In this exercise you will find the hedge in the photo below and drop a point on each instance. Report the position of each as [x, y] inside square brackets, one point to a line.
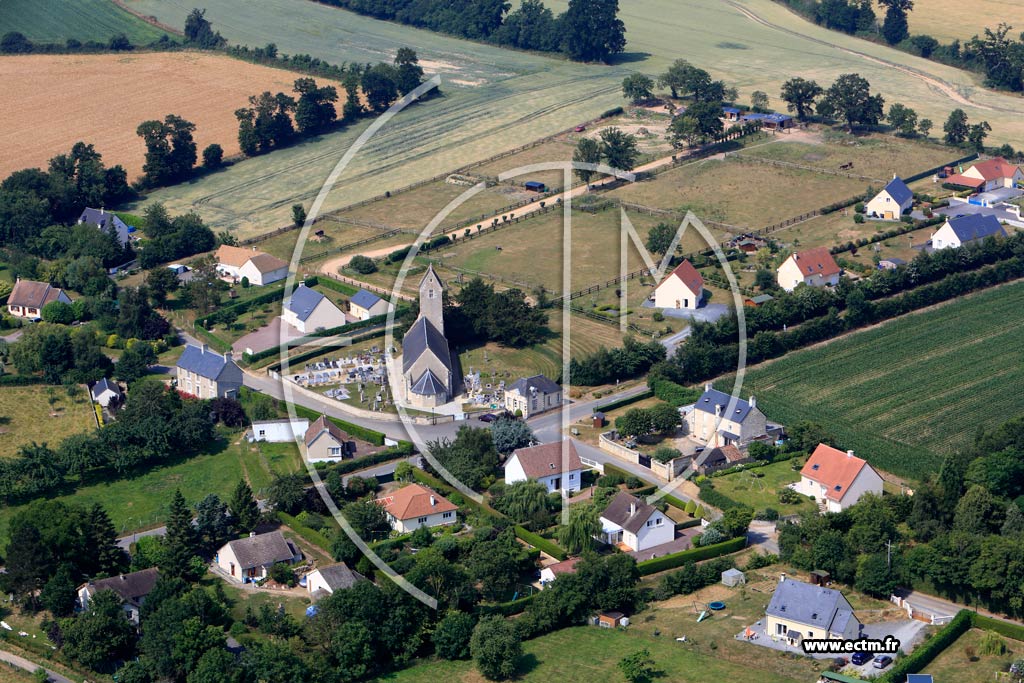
[210, 339]
[390, 543]
[612, 469]
[316, 351]
[311, 535]
[624, 402]
[687, 524]
[20, 380]
[932, 171]
[374, 437]
[675, 394]
[924, 653]
[327, 282]
[403, 450]
[435, 483]
[666, 562]
[541, 543]
[506, 609]
[719, 500]
[276, 295]
[1003, 628]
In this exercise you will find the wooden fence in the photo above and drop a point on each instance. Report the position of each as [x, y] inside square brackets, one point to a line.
[790, 164]
[350, 245]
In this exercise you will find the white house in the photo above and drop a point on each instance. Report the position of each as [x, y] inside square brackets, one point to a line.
[414, 506]
[307, 310]
[365, 305]
[249, 559]
[279, 431]
[553, 571]
[557, 469]
[323, 581]
[105, 392]
[956, 232]
[801, 610]
[529, 396]
[258, 267]
[132, 589]
[836, 479]
[325, 441]
[891, 202]
[812, 267]
[28, 297]
[683, 288]
[996, 173]
[107, 221]
[206, 374]
[717, 420]
[633, 524]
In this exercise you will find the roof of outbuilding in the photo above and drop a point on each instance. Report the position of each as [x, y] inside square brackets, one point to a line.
[618, 512]
[303, 300]
[414, 501]
[262, 549]
[421, 337]
[824, 608]
[539, 382]
[32, 294]
[203, 362]
[365, 299]
[709, 456]
[104, 384]
[546, 459]
[339, 576]
[975, 227]
[899, 191]
[129, 587]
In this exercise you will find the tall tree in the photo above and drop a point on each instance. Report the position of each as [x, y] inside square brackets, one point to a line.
[180, 540]
[956, 128]
[584, 524]
[106, 556]
[799, 95]
[619, 149]
[903, 119]
[759, 100]
[592, 30]
[100, 636]
[410, 73]
[315, 109]
[199, 31]
[496, 648]
[637, 87]
[894, 28]
[849, 99]
[588, 151]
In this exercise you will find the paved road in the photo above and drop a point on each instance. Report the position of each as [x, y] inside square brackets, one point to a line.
[31, 667]
[943, 607]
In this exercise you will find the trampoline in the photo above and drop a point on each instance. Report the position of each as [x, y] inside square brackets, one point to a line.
[717, 605]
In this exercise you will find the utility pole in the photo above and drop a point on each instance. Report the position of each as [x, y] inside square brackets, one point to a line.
[888, 554]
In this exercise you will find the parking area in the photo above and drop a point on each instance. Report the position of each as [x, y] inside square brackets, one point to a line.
[266, 337]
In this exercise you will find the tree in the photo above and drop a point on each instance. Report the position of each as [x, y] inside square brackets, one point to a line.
[496, 648]
[212, 525]
[469, 458]
[759, 100]
[215, 666]
[286, 493]
[101, 635]
[14, 43]
[58, 312]
[199, 32]
[764, 280]
[368, 518]
[660, 238]
[410, 73]
[588, 151]
[298, 215]
[592, 31]
[579, 531]
[104, 557]
[894, 28]
[635, 422]
[676, 77]
[508, 435]
[619, 149]
[403, 471]
[903, 119]
[523, 501]
[364, 265]
[956, 128]
[193, 641]
[315, 109]
[453, 634]
[243, 508]
[799, 95]
[637, 87]
[213, 156]
[180, 539]
[849, 99]
[976, 512]
[924, 126]
[497, 564]
[60, 592]
[379, 86]
[875, 577]
[976, 135]
[134, 362]
[159, 283]
[638, 667]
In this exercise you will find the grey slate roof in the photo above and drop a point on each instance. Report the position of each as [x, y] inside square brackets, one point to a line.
[203, 362]
[899, 191]
[365, 299]
[302, 301]
[129, 587]
[618, 512]
[539, 382]
[339, 576]
[421, 337]
[263, 549]
[816, 606]
[428, 385]
[712, 397]
[103, 385]
[107, 221]
[976, 227]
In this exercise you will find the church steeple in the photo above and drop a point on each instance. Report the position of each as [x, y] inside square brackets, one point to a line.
[432, 299]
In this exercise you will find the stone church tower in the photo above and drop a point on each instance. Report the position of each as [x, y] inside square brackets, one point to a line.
[432, 299]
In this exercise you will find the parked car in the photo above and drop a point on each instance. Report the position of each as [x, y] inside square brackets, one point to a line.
[580, 129]
[487, 417]
[882, 661]
[859, 658]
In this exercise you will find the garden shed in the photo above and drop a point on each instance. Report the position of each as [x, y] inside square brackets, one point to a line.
[733, 577]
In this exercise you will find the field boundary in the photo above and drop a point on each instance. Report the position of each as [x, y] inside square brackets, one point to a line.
[790, 164]
[152, 21]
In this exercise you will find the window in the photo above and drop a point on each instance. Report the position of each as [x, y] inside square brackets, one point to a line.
[263, 432]
[430, 294]
[421, 520]
[780, 629]
[572, 477]
[334, 451]
[657, 522]
[650, 522]
[447, 515]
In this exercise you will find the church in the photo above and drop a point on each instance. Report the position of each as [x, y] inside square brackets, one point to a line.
[428, 375]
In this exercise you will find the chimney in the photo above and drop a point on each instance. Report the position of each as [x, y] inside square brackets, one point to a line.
[849, 454]
[206, 347]
[708, 386]
[718, 410]
[102, 211]
[228, 355]
[632, 508]
[782, 577]
[433, 501]
[752, 401]
[252, 534]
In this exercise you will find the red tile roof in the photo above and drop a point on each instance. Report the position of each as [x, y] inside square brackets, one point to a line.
[321, 425]
[564, 567]
[966, 181]
[833, 468]
[412, 501]
[816, 261]
[546, 459]
[994, 169]
[689, 275]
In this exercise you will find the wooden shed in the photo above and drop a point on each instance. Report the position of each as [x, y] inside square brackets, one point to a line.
[599, 420]
[612, 619]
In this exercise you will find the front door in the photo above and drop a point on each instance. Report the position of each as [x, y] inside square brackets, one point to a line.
[556, 483]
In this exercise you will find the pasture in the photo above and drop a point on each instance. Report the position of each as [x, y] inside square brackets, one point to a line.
[83, 20]
[908, 392]
[43, 415]
[204, 88]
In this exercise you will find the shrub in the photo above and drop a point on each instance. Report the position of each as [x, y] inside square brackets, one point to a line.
[859, 208]
[245, 282]
[213, 156]
[665, 454]
[788, 496]
[660, 564]
[658, 316]
[858, 218]
[283, 573]
[768, 514]
[363, 265]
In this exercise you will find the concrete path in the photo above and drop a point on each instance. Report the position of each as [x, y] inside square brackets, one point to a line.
[31, 667]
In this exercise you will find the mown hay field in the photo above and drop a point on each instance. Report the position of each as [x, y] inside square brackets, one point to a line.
[102, 99]
[82, 20]
[949, 20]
[42, 415]
[906, 393]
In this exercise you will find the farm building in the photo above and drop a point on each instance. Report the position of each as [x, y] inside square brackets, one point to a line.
[548, 464]
[204, 373]
[258, 267]
[532, 396]
[633, 525]
[307, 310]
[323, 581]
[106, 392]
[132, 589]
[812, 267]
[683, 288]
[994, 173]
[717, 419]
[28, 297]
[611, 620]
[249, 559]
[415, 506]
[799, 610]
[836, 479]
[731, 113]
[733, 577]
[891, 203]
[109, 222]
[365, 305]
[428, 378]
[956, 232]
[284, 430]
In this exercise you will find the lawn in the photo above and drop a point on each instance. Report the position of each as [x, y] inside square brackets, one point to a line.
[241, 599]
[758, 488]
[908, 392]
[83, 20]
[41, 414]
[957, 663]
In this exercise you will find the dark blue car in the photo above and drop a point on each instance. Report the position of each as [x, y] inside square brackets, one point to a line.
[859, 658]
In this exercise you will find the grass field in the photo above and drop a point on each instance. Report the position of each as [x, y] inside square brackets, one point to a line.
[27, 415]
[948, 20]
[83, 20]
[762, 492]
[957, 664]
[206, 89]
[906, 393]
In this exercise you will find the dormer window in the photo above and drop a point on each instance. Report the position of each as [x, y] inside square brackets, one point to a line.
[815, 466]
